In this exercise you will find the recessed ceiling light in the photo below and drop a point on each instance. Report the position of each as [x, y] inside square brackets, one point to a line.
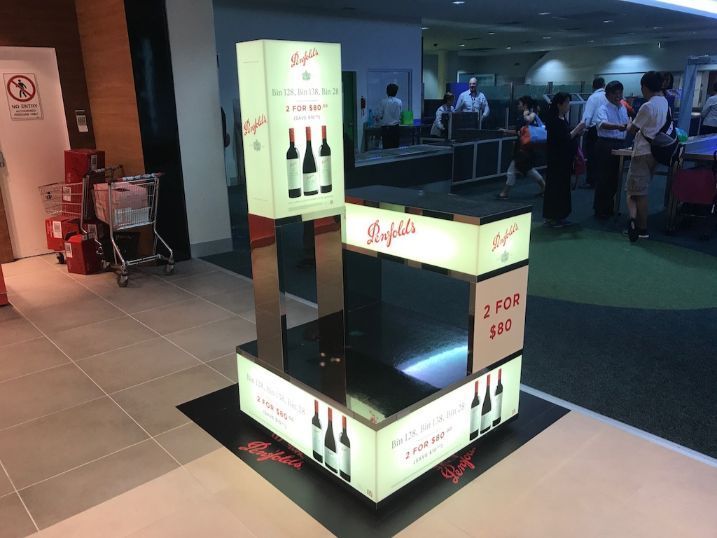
[607, 21]
[591, 41]
[657, 27]
[508, 47]
[458, 2]
[544, 13]
[491, 33]
[547, 37]
[461, 44]
[425, 28]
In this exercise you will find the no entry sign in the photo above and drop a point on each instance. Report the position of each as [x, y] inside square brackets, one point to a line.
[22, 96]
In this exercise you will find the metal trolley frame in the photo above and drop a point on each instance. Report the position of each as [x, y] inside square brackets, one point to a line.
[129, 203]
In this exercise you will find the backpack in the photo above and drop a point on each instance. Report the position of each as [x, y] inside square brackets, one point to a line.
[665, 146]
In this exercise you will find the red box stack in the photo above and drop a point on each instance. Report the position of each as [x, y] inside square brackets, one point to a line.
[78, 162]
[58, 228]
[81, 255]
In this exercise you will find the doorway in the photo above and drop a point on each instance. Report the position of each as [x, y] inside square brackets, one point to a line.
[33, 138]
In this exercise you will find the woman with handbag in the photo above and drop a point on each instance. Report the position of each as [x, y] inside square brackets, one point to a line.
[562, 147]
[523, 156]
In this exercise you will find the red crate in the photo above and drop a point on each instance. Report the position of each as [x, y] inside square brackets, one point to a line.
[78, 162]
[58, 228]
[81, 255]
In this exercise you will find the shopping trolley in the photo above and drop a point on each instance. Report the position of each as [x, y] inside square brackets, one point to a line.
[129, 203]
[74, 201]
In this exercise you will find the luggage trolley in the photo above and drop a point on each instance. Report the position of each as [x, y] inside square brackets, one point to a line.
[73, 200]
[128, 203]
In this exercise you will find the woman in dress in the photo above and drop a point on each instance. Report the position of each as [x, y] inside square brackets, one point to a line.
[562, 147]
[523, 157]
[438, 128]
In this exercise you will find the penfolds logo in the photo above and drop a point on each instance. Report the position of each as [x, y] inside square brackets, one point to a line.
[376, 235]
[297, 59]
[259, 449]
[455, 469]
[250, 127]
[499, 240]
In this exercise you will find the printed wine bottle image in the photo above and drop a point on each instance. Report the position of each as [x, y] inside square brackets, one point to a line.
[325, 162]
[330, 447]
[486, 416]
[344, 453]
[316, 433]
[309, 168]
[498, 399]
[475, 414]
[292, 168]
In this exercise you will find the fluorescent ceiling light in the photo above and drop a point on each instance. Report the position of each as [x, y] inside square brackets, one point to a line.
[425, 28]
[462, 45]
[544, 13]
[706, 8]
[458, 2]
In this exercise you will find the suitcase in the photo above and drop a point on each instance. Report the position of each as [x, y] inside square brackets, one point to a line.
[81, 255]
[57, 229]
[78, 162]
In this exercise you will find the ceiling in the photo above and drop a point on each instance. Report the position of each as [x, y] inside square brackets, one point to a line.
[488, 28]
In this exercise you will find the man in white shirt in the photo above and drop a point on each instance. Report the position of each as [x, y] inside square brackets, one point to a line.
[438, 128]
[472, 100]
[593, 104]
[389, 117]
[709, 113]
[611, 121]
[650, 119]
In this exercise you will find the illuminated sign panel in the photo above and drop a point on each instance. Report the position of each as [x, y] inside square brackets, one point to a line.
[455, 246]
[378, 462]
[291, 108]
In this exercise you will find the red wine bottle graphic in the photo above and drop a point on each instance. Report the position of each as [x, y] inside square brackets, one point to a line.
[475, 414]
[498, 399]
[293, 174]
[316, 434]
[330, 447]
[344, 453]
[486, 416]
[309, 168]
[325, 162]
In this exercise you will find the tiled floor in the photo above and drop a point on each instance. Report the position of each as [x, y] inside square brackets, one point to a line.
[91, 443]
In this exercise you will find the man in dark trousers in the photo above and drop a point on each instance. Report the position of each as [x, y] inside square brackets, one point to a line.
[594, 102]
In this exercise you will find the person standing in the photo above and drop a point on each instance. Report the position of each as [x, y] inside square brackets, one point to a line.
[472, 100]
[389, 117]
[438, 128]
[709, 113]
[612, 121]
[523, 157]
[562, 147]
[593, 104]
[650, 119]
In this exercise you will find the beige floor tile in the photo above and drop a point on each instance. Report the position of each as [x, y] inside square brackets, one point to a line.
[221, 470]
[438, 527]
[45, 296]
[207, 284]
[59, 318]
[203, 518]
[128, 366]
[154, 404]
[238, 301]
[87, 340]
[5, 485]
[14, 328]
[14, 519]
[142, 293]
[26, 265]
[56, 443]
[183, 269]
[215, 340]
[42, 393]
[188, 442]
[183, 315]
[28, 357]
[133, 510]
[77, 490]
[226, 365]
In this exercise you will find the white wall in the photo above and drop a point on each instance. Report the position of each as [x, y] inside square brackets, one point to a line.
[507, 67]
[365, 44]
[583, 63]
[431, 88]
[196, 88]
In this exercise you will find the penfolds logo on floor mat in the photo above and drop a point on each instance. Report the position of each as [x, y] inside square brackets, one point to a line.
[455, 468]
[378, 235]
[250, 127]
[500, 240]
[297, 59]
[260, 449]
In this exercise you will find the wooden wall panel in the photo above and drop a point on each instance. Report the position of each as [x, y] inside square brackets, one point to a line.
[110, 82]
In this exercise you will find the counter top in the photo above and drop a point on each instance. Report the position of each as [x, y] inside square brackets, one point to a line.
[399, 154]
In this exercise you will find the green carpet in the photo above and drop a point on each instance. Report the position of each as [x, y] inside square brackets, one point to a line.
[601, 268]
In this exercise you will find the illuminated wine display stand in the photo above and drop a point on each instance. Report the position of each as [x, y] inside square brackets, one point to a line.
[375, 393]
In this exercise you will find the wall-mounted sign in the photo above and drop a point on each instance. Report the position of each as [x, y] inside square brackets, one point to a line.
[23, 96]
[291, 108]
[379, 460]
[455, 246]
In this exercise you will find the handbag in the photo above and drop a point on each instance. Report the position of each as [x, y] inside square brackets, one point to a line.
[533, 134]
[665, 146]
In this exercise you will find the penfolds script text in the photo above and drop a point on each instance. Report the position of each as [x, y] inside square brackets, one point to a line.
[259, 449]
[299, 59]
[378, 235]
[454, 470]
[500, 240]
[250, 127]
